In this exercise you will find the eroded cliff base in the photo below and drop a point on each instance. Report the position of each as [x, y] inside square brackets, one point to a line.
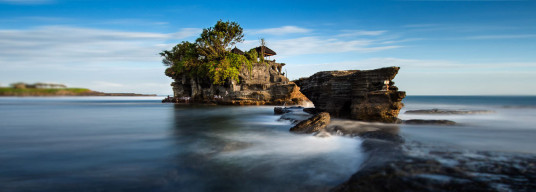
[365, 95]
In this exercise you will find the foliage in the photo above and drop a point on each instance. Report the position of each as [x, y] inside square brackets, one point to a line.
[5, 91]
[209, 57]
[215, 41]
[183, 57]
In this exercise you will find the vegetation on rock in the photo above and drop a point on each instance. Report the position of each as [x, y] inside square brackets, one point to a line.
[210, 57]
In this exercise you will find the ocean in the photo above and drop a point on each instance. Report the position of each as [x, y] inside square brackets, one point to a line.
[141, 144]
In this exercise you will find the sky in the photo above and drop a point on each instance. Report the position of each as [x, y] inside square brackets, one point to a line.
[444, 47]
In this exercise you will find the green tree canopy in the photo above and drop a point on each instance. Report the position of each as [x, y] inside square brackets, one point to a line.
[215, 41]
[209, 56]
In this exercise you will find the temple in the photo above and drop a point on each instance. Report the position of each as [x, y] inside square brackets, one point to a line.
[263, 84]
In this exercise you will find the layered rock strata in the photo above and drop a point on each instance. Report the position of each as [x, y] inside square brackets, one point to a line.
[263, 84]
[366, 95]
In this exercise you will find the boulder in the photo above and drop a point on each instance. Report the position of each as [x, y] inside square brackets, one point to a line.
[313, 124]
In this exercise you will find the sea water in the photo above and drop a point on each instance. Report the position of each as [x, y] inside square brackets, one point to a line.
[510, 125]
[141, 144]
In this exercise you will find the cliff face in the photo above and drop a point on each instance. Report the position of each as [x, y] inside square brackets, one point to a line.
[264, 84]
[361, 95]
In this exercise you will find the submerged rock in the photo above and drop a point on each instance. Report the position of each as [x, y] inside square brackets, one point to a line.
[313, 111]
[428, 122]
[283, 110]
[394, 165]
[313, 124]
[361, 95]
[356, 128]
[448, 112]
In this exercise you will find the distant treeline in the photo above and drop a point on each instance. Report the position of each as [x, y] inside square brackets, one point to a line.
[21, 85]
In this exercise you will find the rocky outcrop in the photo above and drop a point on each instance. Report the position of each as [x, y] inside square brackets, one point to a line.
[313, 124]
[361, 95]
[263, 84]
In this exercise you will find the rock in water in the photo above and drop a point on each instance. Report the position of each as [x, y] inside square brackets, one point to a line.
[279, 110]
[313, 124]
[361, 95]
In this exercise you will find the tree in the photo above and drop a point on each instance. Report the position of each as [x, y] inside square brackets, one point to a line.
[209, 57]
[184, 57]
[215, 41]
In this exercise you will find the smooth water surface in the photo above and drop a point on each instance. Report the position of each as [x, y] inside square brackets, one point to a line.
[140, 144]
[510, 127]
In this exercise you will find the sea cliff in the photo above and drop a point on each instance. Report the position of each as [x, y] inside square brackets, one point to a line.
[367, 95]
[263, 84]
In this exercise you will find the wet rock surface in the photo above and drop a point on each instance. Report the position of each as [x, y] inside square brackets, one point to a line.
[394, 163]
[368, 95]
[448, 112]
[314, 124]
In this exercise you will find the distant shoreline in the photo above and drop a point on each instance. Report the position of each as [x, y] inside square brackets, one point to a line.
[54, 92]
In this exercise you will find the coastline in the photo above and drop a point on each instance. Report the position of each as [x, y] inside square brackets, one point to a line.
[37, 92]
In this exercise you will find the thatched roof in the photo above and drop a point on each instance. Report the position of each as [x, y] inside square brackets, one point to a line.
[237, 51]
[267, 51]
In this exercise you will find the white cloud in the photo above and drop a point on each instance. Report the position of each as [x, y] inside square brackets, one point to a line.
[349, 33]
[285, 30]
[61, 44]
[103, 60]
[321, 45]
[106, 84]
[519, 36]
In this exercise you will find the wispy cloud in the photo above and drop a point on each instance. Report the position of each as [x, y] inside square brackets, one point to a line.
[518, 36]
[285, 30]
[63, 44]
[27, 2]
[349, 33]
[348, 41]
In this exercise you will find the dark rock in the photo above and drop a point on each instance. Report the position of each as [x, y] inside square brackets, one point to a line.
[262, 85]
[359, 95]
[393, 166]
[429, 122]
[447, 112]
[295, 117]
[278, 110]
[313, 124]
[411, 174]
[312, 111]
[282, 110]
[382, 135]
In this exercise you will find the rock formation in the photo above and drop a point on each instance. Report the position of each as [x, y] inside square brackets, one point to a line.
[361, 95]
[264, 84]
[313, 124]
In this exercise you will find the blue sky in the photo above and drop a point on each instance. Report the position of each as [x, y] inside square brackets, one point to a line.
[443, 47]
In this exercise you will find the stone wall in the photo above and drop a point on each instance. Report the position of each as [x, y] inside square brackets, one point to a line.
[262, 85]
[360, 95]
